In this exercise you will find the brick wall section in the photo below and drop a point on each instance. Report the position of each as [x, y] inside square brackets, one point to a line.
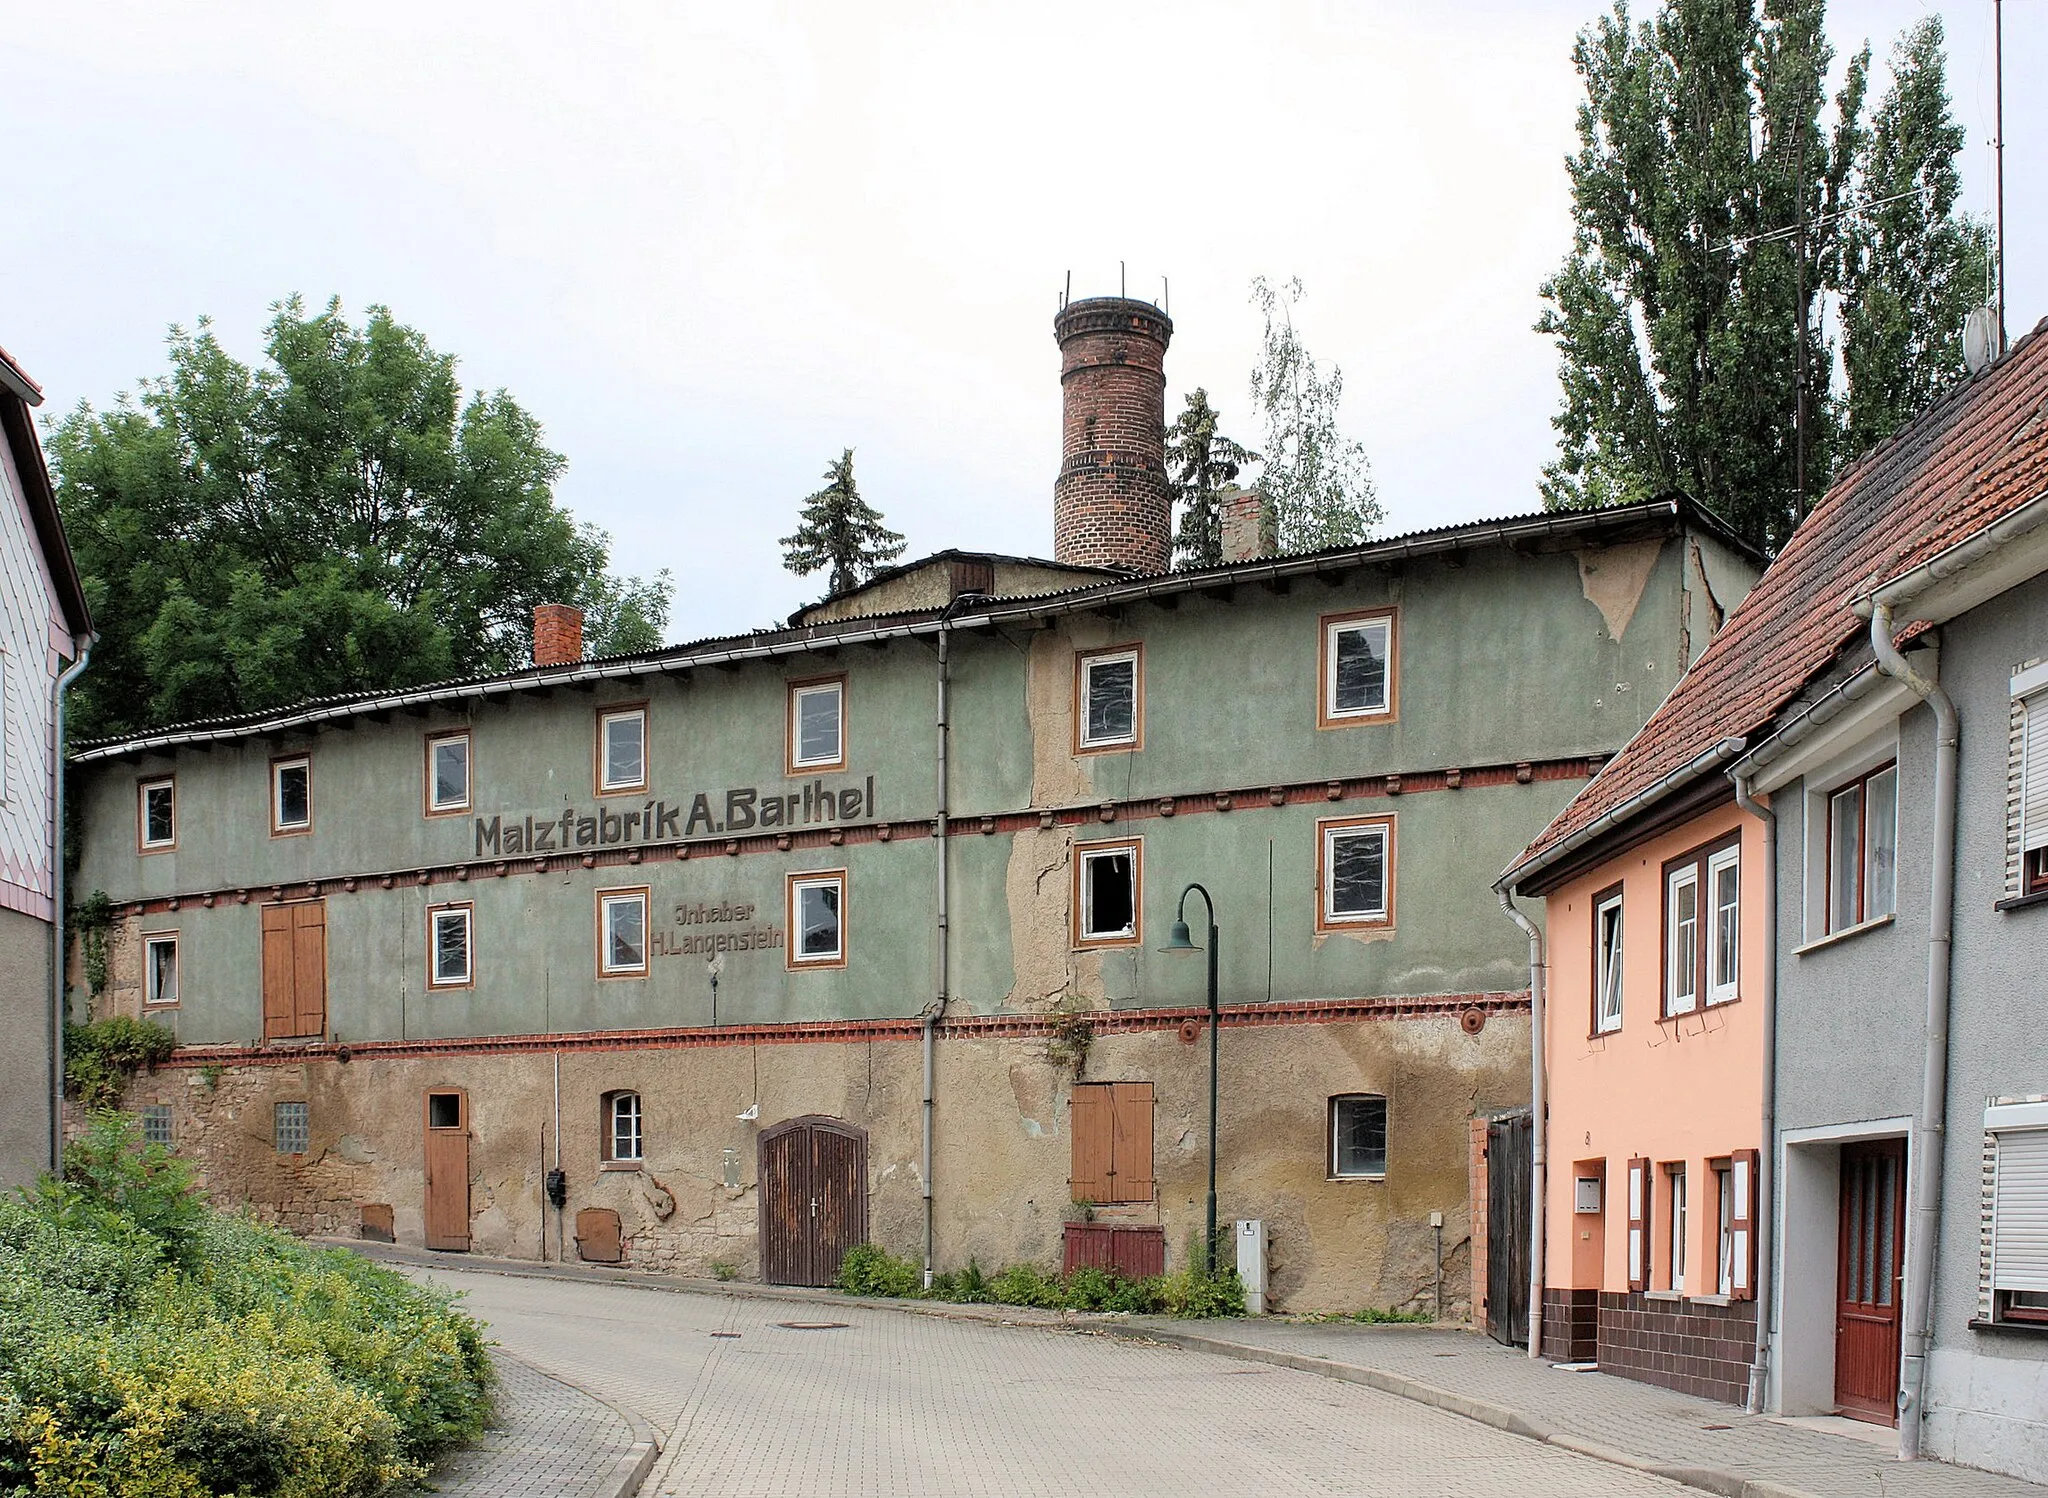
[1247, 524]
[1688, 1345]
[1571, 1325]
[557, 634]
[1476, 1172]
[1110, 505]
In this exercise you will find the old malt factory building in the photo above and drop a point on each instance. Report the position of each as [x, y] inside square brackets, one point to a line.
[730, 955]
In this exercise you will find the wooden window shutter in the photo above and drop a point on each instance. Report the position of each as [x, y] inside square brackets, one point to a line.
[1638, 1218]
[309, 967]
[1130, 1116]
[1091, 1176]
[278, 1007]
[1742, 1183]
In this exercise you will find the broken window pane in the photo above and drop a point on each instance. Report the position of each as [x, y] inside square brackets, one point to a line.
[1359, 676]
[1358, 874]
[1110, 709]
[1108, 898]
[1358, 1136]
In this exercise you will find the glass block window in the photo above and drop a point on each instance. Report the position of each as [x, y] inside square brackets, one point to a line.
[156, 1125]
[293, 1128]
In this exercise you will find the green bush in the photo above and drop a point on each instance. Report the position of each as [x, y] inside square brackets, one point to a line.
[151, 1347]
[99, 1058]
[869, 1269]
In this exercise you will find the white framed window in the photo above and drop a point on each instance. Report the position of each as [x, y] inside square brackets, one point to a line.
[2030, 691]
[625, 1141]
[156, 814]
[1724, 924]
[1354, 872]
[816, 729]
[292, 1128]
[157, 1127]
[1674, 1256]
[1108, 880]
[291, 795]
[447, 772]
[817, 918]
[2017, 1224]
[450, 929]
[1607, 961]
[160, 968]
[1109, 699]
[1358, 1137]
[1724, 1227]
[1357, 668]
[1682, 940]
[1863, 849]
[622, 749]
[622, 933]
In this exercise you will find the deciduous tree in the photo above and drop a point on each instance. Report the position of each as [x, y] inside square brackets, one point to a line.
[1316, 478]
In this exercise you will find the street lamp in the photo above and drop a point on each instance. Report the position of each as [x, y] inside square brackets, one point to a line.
[1179, 940]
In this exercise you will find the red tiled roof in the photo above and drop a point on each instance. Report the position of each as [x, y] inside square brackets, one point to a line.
[1975, 455]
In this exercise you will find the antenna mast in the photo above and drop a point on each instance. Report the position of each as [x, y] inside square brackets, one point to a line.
[1998, 163]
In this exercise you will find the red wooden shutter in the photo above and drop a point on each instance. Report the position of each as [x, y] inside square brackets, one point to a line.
[1130, 1140]
[278, 1008]
[1091, 1177]
[1742, 1184]
[1638, 1221]
[309, 968]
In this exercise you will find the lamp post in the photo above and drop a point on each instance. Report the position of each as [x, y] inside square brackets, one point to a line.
[1179, 940]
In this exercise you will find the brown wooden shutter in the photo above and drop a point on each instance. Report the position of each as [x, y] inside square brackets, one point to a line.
[278, 1007]
[1092, 1176]
[1130, 1147]
[1742, 1183]
[1638, 1223]
[309, 967]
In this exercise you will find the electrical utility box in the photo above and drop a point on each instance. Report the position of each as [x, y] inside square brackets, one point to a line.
[1251, 1263]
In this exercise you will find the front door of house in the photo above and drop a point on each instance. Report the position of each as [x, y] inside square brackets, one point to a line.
[814, 1199]
[447, 1155]
[1869, 1279]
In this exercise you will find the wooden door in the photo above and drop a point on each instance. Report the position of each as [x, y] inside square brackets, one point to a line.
[1510, 1144]
[447, 1155]
[1869, 1280]
[814, 1199]
[295, 970]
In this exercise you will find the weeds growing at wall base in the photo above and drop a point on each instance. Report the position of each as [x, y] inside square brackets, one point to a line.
[869, 1269]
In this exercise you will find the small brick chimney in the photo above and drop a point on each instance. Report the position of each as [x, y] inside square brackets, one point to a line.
[557, 634]
[1248, 526]
[1110, 505]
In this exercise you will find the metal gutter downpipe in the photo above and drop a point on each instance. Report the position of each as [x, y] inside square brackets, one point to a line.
[1538, 1124]
[1766, 1174]
[1930, 1125]
[57, 943]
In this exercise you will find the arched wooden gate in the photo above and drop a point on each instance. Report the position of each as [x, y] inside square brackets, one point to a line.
[813, 1197]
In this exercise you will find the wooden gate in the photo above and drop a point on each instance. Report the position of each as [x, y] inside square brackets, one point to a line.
[1869, 1279]
[814, 1198]
[1509, 1144]
[447, 1153]
[295, 970]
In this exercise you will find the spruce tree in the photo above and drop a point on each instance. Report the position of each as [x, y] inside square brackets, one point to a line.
[1912, 267]
[840, 530]
[1200, 461]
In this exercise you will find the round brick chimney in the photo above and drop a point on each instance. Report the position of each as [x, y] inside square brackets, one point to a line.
[1109, 505]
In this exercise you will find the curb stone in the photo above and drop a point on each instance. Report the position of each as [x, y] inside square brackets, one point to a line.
[1501, 1417]
[633, 1465]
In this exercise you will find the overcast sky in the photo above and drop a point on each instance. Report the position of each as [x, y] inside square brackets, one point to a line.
[708, 246]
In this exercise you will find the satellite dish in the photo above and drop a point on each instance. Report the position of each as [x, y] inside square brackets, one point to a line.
[1980, 338]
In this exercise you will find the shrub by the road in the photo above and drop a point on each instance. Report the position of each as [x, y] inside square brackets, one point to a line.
[153, 1348]
[869, 1269]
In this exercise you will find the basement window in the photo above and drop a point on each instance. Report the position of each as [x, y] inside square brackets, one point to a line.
[157, 815]
[160, 969]
[817, 919]
[156, 1125]
[1107, 712]
[1357, 667]
[291, 796]
[1358, 1137]
[622, 933]
[292, 1128]
[817, 725]
[1106, 880]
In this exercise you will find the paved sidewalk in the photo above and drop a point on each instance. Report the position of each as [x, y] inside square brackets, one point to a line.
[549, 1438]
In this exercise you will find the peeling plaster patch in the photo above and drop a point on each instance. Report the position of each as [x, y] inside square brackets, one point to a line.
[1613, 579]
[1058, 778]
[352, 1149]
[1365, 936]
[1044, 968]
[1035, 1088]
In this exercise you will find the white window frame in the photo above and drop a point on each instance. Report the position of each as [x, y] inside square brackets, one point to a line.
[835, 880]
[152, 994]
[1330, 832]
[606, 785]
[1679, 1001]
[143, 840]
[435, 744]
[1723, 988]
[835, 688]
[1335, 1163]
[279, 827]
[609, 900]
[1381, 625]
[2030, 691]
[1609, 962]
[2019, 1141]
[616, 1112]
[1674, 1262]
[1088, 666]
[1724, 1226]
[1086, 856]
[464, 915]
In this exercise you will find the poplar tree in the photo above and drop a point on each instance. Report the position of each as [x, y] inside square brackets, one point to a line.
[1912, 267]
[1200, 462]
[840, 530]
[1316, 478]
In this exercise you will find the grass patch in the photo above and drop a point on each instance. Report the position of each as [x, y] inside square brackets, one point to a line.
[869, 1269]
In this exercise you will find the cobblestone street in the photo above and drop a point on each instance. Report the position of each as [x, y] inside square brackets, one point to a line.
[754, 1397]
